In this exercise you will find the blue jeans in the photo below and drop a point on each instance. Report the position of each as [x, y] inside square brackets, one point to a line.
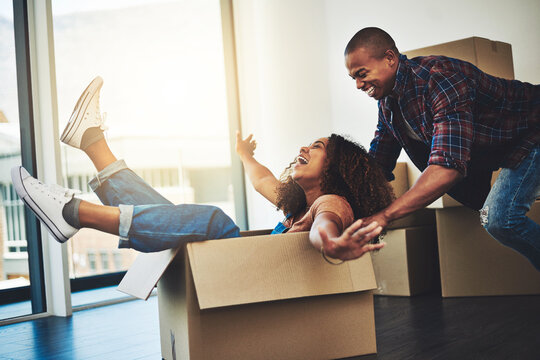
[148, 221]
[503, 214]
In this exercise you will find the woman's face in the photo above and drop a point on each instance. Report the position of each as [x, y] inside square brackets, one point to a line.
[310, 163]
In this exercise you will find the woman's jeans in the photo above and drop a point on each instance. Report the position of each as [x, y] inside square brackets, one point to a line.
[148, 221]
[503, 214]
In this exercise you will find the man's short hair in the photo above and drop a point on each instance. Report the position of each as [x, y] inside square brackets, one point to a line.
[376, 40]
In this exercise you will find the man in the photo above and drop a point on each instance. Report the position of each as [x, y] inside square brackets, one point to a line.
[458, 125]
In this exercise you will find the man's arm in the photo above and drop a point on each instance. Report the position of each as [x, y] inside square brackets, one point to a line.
[451, 100]
[434, 182]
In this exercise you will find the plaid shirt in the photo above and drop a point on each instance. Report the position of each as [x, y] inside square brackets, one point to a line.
[459, 113]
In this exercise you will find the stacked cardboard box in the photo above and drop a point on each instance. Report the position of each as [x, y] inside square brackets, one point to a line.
[472, 263]
[408, 265]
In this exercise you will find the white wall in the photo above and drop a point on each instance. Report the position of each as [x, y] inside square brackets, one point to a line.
[293, 82]
[285, 99]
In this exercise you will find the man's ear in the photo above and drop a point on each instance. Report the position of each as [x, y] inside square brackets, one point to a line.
[391, 57]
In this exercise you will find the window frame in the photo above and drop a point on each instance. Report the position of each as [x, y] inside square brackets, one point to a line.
[23, 24]
[28, 154]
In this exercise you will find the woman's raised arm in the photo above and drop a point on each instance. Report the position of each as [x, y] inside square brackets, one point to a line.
[261, 178]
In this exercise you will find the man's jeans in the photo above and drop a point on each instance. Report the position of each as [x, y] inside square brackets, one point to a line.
[503, 214]
[148, 221]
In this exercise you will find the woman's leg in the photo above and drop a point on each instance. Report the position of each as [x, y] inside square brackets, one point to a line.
[149, 228]
[115, 183]
[84, 131]
[155, 224]
[100, 154]
[99, 217]
[145, 227]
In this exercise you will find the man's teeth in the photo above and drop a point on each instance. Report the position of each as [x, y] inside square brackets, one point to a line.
[370, 91]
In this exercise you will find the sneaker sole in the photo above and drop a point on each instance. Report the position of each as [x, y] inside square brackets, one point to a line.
[77, 115]
[18, 183]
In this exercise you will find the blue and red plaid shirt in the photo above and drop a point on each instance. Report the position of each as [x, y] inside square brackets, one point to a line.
[459, 114]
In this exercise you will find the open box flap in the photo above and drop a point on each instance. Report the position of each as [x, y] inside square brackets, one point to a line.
[272, 267]
[145, 272]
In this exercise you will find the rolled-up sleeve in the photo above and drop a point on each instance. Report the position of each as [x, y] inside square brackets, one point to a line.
[453, 131]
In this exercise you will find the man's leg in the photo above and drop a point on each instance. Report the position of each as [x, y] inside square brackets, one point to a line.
[503, 214]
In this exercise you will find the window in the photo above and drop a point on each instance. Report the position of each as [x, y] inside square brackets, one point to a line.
[117, 258]
[164, 95]
[104, 261]
[91, 261]
[12, 222]
[21, 273]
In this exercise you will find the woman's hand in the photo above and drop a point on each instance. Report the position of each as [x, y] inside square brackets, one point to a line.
[353, 243]
[260, 177]
[246, 147]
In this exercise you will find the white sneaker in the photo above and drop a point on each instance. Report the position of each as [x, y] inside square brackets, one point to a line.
[45, 201]
[85, 115]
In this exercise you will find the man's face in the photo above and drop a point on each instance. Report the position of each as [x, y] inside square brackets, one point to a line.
[374, 76]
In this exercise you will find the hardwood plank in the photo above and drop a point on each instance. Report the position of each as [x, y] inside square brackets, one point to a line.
[423, 327]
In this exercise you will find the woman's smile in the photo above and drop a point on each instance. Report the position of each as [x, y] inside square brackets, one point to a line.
[309, 165]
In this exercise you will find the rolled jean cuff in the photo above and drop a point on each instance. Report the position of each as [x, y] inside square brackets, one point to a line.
[106, 173]
[126, 217]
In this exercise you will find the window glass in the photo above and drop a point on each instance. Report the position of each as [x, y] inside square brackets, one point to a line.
[164, 95]
[13, 242]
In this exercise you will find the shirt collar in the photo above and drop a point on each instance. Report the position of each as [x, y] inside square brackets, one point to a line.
[401, 77]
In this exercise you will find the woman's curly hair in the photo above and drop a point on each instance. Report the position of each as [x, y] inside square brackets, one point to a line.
[349, 172]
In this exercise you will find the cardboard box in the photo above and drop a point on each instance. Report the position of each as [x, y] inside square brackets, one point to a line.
[472, 263]
[492, 57]
[400, 185]
[258, 297]
[408, 264]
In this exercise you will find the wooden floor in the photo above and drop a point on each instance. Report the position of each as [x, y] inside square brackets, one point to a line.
[423, 327]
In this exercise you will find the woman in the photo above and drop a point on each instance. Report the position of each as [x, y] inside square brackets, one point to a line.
[331, 182]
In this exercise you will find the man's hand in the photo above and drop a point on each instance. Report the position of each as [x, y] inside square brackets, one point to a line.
[246, 147]
[434, 181]
[353, 243]
[379, 217]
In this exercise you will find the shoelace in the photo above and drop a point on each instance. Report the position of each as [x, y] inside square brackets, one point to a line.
[101, 117]
[102, 125]
[56, 190]
[62, 191]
